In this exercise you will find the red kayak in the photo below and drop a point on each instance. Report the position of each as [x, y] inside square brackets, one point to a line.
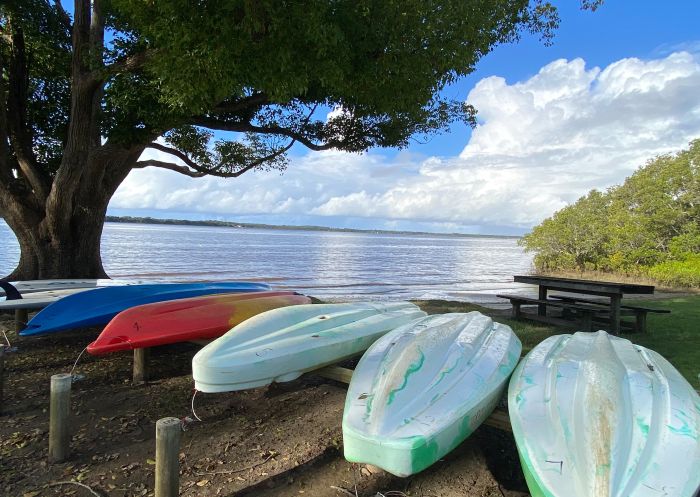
[183, 320]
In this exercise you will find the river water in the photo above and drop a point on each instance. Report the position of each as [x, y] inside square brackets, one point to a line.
[327, 265]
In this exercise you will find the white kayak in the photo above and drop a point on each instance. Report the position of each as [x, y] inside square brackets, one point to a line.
[423, 388]
[594, 415]
[31, 286]
[37, 300]
[281, 344]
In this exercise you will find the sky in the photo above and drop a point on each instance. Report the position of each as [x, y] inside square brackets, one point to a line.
[617, 88]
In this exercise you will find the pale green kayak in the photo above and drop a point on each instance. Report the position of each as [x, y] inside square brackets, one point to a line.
[419, 391]
[594, 415]
[281, 344]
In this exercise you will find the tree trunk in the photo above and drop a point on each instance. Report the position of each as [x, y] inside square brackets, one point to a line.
[71, 250]
[66, 245]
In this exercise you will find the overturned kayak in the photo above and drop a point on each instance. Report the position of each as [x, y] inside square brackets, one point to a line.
[281, 344]
[594, 415]
[196, 318]
[36, 300]
[423, 388]
[99, 305]
[31, 286]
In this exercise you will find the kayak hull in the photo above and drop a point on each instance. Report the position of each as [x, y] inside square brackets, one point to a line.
[595, 415]
[32, 286]
[37, 300]
[196, 318]
[98, 306]
[423, 388]
[281, 344]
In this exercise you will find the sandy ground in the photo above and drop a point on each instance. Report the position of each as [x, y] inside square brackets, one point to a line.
[281, 440]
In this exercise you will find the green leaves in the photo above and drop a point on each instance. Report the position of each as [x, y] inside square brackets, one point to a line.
[649, 224]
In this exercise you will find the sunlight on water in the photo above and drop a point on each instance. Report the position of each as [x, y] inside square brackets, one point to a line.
[324, 264]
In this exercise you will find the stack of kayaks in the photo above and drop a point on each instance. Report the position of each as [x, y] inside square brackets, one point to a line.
[423, 388]
[597, 416]
[281, 344]
[98, 306]
[191, 319]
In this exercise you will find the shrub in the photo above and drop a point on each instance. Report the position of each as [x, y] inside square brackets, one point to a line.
[678, 273]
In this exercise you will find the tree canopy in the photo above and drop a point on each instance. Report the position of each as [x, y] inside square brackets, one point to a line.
[649, 225]
[84, 93]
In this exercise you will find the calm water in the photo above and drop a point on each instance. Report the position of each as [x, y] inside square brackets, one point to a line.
[323, 264]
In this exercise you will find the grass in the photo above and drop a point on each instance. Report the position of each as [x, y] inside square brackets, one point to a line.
[675, 336]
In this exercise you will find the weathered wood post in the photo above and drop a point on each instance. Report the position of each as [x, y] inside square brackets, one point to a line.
[167, 452]
[140, 371]
[21, 318]
[59, 417]
[2, 376]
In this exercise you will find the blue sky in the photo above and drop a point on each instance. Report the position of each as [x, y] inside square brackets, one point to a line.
[617, 87]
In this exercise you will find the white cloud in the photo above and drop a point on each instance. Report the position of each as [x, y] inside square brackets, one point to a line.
[540, 144]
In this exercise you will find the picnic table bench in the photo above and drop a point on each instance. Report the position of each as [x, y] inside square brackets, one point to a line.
[584, 311]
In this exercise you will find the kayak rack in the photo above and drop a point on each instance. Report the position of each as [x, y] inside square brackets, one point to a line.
[498, 419]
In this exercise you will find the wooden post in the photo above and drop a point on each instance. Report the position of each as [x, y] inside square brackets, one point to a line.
[615, 301]
[59, 417]
[140, 372]
[167, 452]
[2, 375]
[542, 295]
[21, 318]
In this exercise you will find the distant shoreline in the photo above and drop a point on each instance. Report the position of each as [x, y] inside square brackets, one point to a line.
[232, 224]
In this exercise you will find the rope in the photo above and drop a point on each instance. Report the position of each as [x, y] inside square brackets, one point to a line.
[75, 483]
[9, 345]
[194, 413]
[76, 363]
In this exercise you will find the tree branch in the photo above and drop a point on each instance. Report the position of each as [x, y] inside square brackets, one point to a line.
[126, 64]
[246, 127]
[213, 171]
[169, 165]
[20, 133]
[63, 15]
[245, 103]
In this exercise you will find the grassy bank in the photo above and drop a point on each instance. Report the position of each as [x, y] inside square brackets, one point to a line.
[675, 336]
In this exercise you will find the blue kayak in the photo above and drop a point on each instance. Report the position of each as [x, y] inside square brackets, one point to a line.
[99, 306]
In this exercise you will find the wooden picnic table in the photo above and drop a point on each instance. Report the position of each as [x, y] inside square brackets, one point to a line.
[614, 291]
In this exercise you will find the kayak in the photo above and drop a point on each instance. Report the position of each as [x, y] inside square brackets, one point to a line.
[423, 388]
[99, 305]
[282, 344]
[36, 300]
[182, 320]
[31, 286]
[596, 415]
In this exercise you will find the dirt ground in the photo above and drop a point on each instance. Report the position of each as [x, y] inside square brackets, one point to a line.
[281, 440]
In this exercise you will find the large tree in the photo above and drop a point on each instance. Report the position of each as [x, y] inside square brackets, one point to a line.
[84, 93]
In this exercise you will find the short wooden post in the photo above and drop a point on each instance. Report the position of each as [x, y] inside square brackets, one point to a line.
[21, 318]
[640, 321]
[615, 301]
[140, 372]
[2, 376]
[542, 295]
[516, 309]
[59, 417]
[167, 452]
[587, 320]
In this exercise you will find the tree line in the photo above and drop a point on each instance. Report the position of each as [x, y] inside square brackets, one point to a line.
[648, 226]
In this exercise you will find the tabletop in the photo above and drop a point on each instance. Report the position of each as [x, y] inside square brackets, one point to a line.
[584, 286]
